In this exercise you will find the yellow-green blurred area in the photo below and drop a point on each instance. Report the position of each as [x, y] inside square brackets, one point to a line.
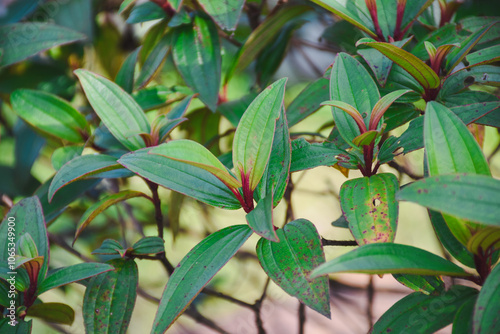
[357, 300]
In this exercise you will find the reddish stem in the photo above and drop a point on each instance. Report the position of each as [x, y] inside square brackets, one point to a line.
[399, 20]
[372, 7]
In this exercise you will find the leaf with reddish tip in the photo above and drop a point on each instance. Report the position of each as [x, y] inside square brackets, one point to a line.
[290, 261]
[365, 138]
[369, 205]
[110, 298]
[389, 258]
[350, 110]
[81, 167]
[195, 270]
[468, 196]
[260, 219]
[192, 153]
[382, 105]
[253, 139]
[414, 66]
[95, 209]
[351, 83]
[484, 56]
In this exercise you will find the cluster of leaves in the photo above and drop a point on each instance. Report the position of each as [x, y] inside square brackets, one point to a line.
[416, 69]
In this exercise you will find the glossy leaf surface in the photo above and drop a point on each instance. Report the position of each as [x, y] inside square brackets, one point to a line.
[225, 12]
[52, 312]
[306, 155]
[195, 270]
[289, 262]
[260, 219]
[486, 312]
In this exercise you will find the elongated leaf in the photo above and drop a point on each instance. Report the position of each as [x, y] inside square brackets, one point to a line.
[110, 247]
[79, 168]
[462, 323]
[64, 154]
[253, 139]
[234, 109]
[26, 217]
[153, 62]
[484, 56]
[110, 298]
[306, 155]
[192, 153]
[450, 147]
[461, 79]
[117, 110]
[389, 258]
[22, 327]
[181, 177]
[486, 240]
[260, 219]
[196, 53]
[225, 12]
[50, 114]
[95, 209]
[365, 138]
[468, 196]
[195, 271]
[149, 245]
[125, 77]
[52, 312]
[72, 274]
[265, 33]
[382, 105]
[308, 101]
[370, 207]
[351, 83]
[414, 66]
[423, 313]
[289, 262]
[21, 40]
[486, 312]
[449, 241]
[456, 56]
[278, 168]
[354, 12]
[144, 12]
[350, 110]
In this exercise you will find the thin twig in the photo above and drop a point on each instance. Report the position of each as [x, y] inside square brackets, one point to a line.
[193, 313]
[221, 295]
[57, 240]
[369, 307]
[157, 203]
[403, 170]
[344, 243]
[257, 307]
[302, 318]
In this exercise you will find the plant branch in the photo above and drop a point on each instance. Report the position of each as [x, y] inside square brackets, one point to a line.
[221, 295]
[403, 170]
[157, 203]
[342, 243]
[302, 318]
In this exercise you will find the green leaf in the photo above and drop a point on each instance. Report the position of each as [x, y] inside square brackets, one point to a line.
[389, 258]
[265, 33]
[81, 167]
[149, 245]
[351, 83]
[308, 101]
[289, 262]
[381, 107]
[50, 114]
[484, 56]
[197, 55]
[64, 154]
[456, 56]
[365, 138]
[22, 281]
[26, 216]
[110, 298]
[306, 155]
[486, 312]
[21, 40]
[413, 10]
[461, 79]
[117, 110]
[450, 146]
[473, 24]
[152, 64]
[195, 270]
[486, 240]
[154, 97]
[424, 284]
[260, 219]
[449, 241]
[71, 274]
[125, 76]
[145, 12]
[197, 155]
[370, 207]
[414, 66]
[176, 4]
[226, 12]
[468, 196]
[181, 177]
[95, 209]
[234, 109]
[446, 34]
[26, 246]
[278, 168]
[462, 323]
[23, 327]
[423, 313]
[253, 139]
[109, 247]
[52, 312]
[354, 12]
